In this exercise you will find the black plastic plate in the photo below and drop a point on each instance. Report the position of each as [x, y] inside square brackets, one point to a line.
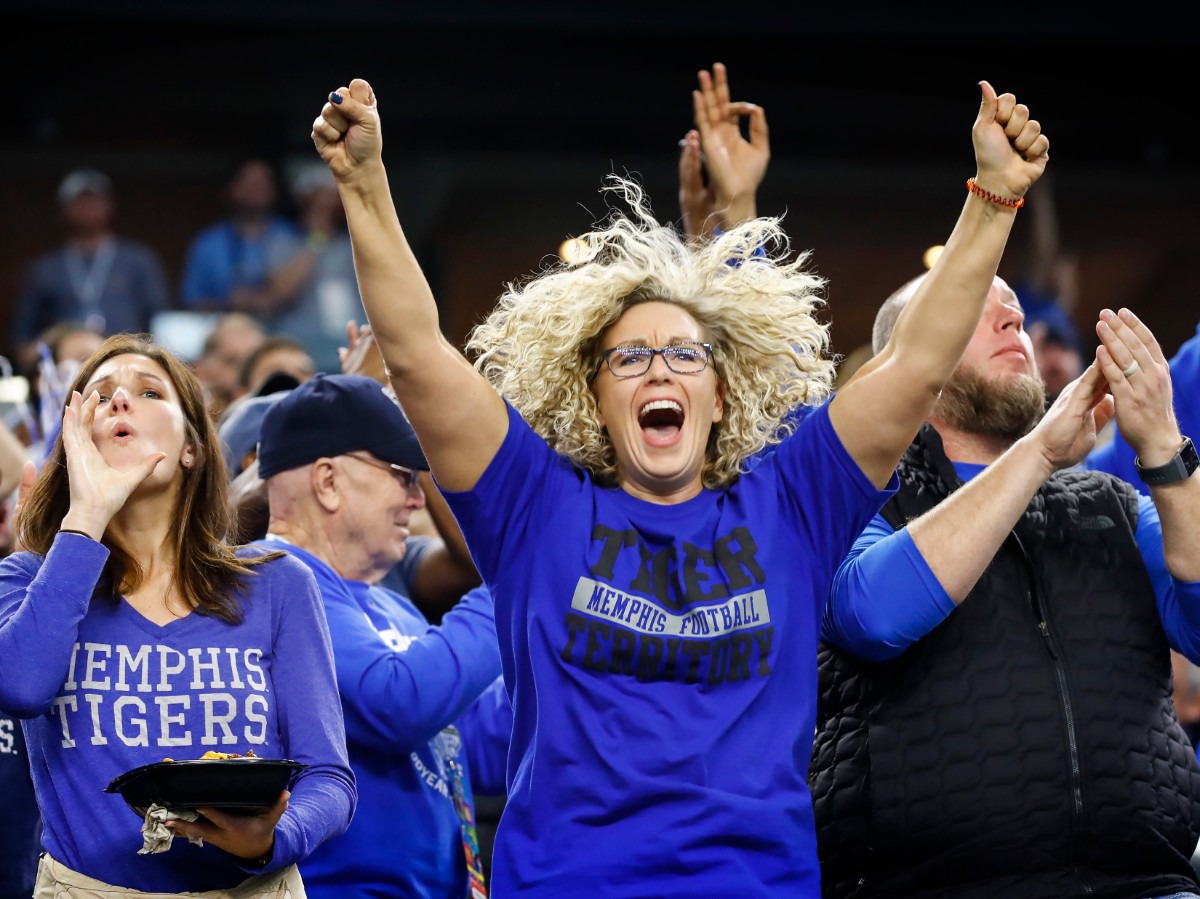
[233, 784]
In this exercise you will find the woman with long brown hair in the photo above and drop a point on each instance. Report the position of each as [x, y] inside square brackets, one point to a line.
[131, 630]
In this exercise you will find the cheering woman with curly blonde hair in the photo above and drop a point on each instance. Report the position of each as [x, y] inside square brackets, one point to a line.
[658, 597]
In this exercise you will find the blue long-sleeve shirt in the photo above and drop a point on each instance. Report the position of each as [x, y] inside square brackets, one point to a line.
[104, 690]
[885, 596]
[403, 683]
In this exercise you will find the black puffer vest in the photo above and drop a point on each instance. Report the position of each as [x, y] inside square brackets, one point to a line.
[1026, 747]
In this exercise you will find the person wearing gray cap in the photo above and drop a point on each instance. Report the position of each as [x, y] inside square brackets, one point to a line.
[427, 717]
[113, 284]
[312, 273]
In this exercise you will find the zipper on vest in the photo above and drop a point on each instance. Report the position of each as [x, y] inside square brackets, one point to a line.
[1042, 626]
[1064, 696]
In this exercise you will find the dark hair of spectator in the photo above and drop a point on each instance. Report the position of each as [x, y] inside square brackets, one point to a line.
[209, 573]
[270, 345]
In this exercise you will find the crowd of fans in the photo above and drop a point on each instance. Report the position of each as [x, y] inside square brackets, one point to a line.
[698, 611]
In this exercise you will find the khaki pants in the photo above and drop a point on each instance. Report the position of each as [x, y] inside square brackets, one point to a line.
[56, 881]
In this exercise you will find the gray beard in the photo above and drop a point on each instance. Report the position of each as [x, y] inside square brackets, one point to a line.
[990, 407]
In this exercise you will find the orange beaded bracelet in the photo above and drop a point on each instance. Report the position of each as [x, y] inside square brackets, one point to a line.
[993, 198]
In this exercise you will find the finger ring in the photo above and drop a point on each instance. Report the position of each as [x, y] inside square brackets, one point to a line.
[1133, 366]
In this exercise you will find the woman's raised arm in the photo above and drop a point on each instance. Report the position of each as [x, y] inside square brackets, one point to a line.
[460, 420]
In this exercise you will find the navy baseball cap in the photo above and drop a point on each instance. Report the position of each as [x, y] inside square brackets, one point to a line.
[332, 415]
[239, 428]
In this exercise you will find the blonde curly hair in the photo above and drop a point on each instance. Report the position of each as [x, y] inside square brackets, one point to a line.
[540, 347]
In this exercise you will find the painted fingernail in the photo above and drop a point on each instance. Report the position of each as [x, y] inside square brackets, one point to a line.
[335, 98]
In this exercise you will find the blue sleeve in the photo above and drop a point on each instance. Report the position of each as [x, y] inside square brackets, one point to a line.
[400, 576]
[1178, 601]
[758, 252]
[310, 717]
[1116, 458]
[205, 274]
[398, 700]
[42, 602]
[826, 492]
[885, 597]
[487, 731]
[520, 488]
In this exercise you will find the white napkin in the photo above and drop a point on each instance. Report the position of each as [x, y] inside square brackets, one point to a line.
[155, 835]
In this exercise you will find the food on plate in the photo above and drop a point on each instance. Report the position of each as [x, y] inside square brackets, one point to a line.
[224, 755]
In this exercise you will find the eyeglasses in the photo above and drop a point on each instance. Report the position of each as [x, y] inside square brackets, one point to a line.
[406, 476]
[634, 360]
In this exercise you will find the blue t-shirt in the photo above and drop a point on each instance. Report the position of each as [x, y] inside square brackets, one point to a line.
[20, 824]
[403, 685]
[219, 259]
[1116, 456]
[661, 661]
[886, 597]
[104, 690]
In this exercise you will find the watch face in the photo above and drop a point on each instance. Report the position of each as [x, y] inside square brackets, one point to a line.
[1189, 456]
[1178, 469]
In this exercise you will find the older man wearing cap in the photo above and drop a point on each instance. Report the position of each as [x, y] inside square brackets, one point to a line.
[110, 283]
[426, 716]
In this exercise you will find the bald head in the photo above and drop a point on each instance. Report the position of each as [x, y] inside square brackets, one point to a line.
[889, 312]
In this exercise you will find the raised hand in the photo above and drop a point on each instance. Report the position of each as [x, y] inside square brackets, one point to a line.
[697, 199]
[362, 356]
[98, 491]
[736, 166]
[1010, 150]
[1067, 432]
[1139, 378]
[347, 133]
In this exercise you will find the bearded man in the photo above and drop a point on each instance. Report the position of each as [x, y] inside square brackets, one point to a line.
[995, 713]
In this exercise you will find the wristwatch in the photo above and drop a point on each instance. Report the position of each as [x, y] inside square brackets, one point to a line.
[1178, 469]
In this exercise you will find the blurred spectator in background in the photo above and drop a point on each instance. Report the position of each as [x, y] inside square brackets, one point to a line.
[12, 461]
[238, 430]
[1047, 285]
[226, 266]
[58, 351]
[70, 342]
[1059, 351]
[278, 355]
[110, 283]
[226, 349]
[313, 286]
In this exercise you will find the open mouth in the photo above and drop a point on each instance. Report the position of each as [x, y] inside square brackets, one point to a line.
[122, 432]
[661, 420]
